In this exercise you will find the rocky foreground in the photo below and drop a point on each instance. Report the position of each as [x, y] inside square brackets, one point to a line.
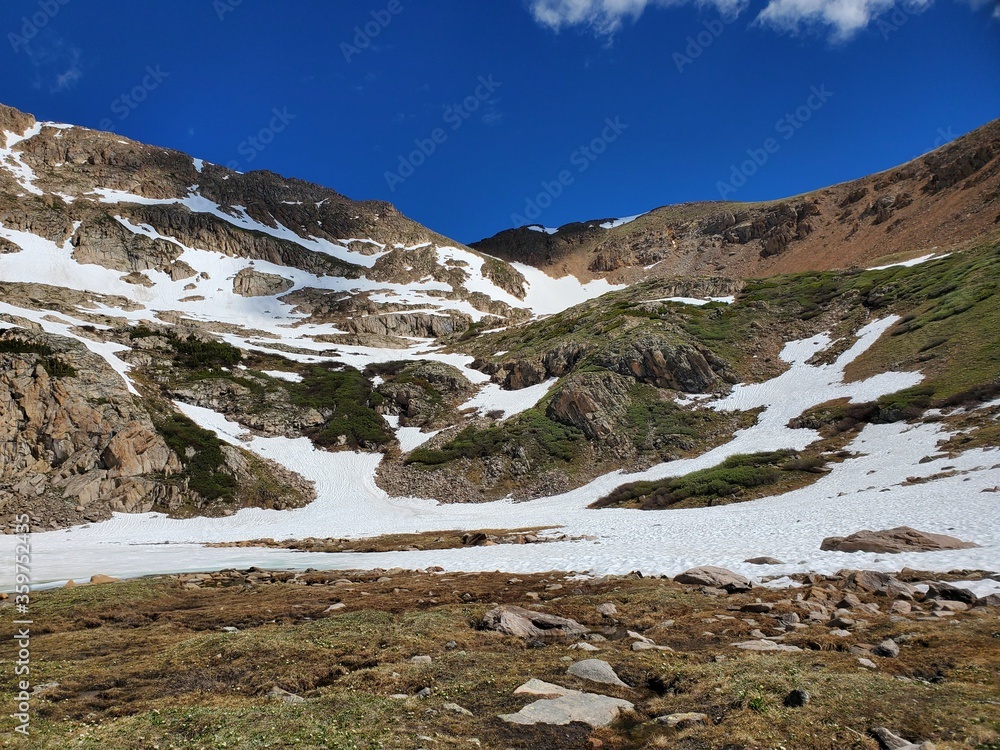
[432, 659]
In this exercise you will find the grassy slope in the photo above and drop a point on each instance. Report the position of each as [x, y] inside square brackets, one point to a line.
[145, 664]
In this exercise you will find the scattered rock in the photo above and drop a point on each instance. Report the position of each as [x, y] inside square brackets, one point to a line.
[421, 660]
[891, 541]
[526, 623]
[540, 689]
[764, 561]
[584, 646]
[607, 609]
[456, 709]
[588, 708]
[797, 698]
[764, 644]
[101, 578]
[714, 577]
[890, 741]
[888, 648]
[647, 646]
[286, 697]
[595, 670]
[683, 720]
[941, 590]
[867, 663]
[991, 600]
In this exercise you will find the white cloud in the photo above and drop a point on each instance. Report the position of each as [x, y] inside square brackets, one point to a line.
[843, 18]
[57, 64]
[606, 16]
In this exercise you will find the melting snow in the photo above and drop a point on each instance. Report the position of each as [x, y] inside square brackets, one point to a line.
[862, 492]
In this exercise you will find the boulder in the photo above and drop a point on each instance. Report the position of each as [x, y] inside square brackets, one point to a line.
[588, 708]
[720, 578]
[890, 741]
[990, 600]
[891, 541]
[526, 623]
[253, 283]
[942, 590]
[595, 670]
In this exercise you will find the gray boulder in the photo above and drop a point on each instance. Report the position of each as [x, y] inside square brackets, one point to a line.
[595, 670]
[891, 541]
[526, 623]
[719, 578]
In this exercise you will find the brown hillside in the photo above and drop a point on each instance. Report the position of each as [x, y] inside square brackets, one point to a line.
[936, 201]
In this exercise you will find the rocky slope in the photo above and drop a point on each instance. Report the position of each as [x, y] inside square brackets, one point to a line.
[947, 196]
[137, 281]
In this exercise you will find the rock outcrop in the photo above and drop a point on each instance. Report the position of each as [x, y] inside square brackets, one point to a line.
[253, 283]
[900, 539]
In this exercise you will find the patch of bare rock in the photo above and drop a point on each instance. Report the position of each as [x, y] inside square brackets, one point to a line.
[890, 541]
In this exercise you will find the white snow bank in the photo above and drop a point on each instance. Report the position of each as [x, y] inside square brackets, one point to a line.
[492, 397]
[870, 491]
[291, 377]
[620, 222]
[547, 296]
[906, 263]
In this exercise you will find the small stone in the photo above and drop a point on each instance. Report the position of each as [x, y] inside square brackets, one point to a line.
[584, 646]
[595, 670]
[540, 689]
[645, 646]
[421, 660]
[764, 561]
[887, 648]
[757, 607]
[683, 720]
[607, 609]
[335, 607]
[867, 663]
[901, 607]
[456, 709]
[283, 695]
[424, 693]
[230, 629]
[797, 698]
[101, 578]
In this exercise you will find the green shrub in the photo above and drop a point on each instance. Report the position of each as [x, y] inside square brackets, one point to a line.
[205, 466]
[730, 478]
[348, 395]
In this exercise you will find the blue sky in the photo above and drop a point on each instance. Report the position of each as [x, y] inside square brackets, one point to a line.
[472, 115]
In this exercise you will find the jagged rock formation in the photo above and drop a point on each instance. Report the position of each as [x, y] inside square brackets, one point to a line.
[75, 445]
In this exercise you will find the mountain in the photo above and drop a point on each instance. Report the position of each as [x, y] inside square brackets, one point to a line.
[947, 196]
[128, 273]
[179, 337]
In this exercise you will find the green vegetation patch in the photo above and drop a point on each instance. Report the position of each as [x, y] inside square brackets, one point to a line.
[200, 451]
[346, 395]
[726, 483]
[531, 432]
[55, 367]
